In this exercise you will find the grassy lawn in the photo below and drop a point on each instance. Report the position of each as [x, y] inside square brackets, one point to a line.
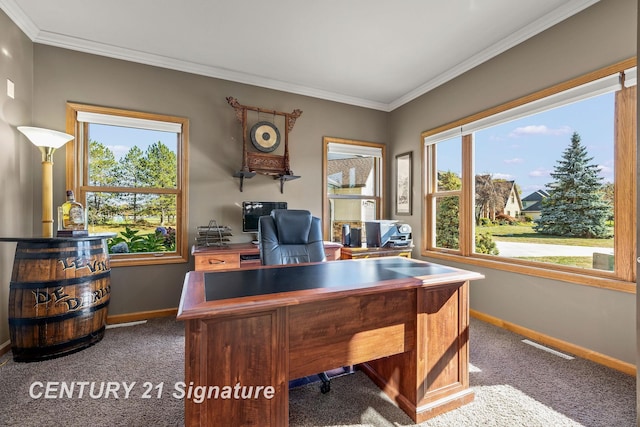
[525, 234]
[117, 228]
[572, 261]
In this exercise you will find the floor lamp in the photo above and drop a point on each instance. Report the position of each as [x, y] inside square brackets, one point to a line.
[47, 141]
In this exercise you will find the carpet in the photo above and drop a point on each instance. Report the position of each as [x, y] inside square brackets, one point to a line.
[515, 385]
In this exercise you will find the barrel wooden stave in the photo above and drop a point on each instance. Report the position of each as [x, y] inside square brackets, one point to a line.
[58, 298]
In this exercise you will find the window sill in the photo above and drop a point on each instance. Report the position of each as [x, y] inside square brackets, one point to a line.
[130, 260]
[536, 270]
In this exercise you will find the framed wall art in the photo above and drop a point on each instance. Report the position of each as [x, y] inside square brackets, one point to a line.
[404, 183]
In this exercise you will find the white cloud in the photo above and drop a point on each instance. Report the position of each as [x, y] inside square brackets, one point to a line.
[505, 176]
[513, 161]
[539, 130]
[119, 151]
[540, 172]
[605, 170]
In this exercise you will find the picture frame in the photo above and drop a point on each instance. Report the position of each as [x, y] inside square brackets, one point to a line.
[404, 184]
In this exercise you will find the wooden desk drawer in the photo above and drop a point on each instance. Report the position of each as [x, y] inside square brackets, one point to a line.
[212, 262]
[332, 253]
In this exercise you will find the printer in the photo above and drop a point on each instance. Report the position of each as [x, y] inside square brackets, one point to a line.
[387, 233]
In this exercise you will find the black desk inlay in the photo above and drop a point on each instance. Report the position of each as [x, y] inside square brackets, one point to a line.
[333, 274]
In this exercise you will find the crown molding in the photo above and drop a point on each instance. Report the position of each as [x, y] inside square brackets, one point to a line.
[145, 58]
[36, 35]
[15, 13]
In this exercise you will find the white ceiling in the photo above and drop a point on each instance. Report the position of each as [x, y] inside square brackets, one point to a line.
[378, 54]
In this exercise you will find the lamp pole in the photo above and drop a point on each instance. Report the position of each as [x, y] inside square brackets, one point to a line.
[47, 190]
[47, 141]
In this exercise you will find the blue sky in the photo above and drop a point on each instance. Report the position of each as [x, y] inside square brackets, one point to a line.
[526, 150]
[120, 139]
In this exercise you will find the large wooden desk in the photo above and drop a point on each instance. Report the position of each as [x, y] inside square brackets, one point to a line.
[405, 321]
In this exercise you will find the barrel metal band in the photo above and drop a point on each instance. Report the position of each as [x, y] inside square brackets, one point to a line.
[47, 243]
[75, 252]
[51, 351]
[30, 321]
[60, 282]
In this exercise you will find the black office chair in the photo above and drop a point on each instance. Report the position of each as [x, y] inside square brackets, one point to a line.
[291, 236]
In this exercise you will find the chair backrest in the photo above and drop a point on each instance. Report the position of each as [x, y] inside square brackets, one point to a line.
[290, 236]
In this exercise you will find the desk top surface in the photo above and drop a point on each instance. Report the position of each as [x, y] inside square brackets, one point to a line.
[211, 293]
[337, 275]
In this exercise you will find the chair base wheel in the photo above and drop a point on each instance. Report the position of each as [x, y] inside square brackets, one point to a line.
[326, 383]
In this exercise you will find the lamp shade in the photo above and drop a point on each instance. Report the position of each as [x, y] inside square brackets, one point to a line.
[45, 137]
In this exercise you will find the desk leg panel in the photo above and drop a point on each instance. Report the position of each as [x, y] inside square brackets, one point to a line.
[236, 359]
[346, 331]
[433, 378]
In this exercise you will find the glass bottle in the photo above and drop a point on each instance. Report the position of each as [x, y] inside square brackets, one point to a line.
[72, 213]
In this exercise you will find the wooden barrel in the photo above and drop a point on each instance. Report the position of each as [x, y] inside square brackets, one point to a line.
[58, 297]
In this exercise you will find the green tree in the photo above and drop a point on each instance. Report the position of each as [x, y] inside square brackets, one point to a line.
[486, 245]
[132, 173]
[161, 172]
[103, 170]
[448, 212]
[575, 206]
[488, 198]
[608, 195]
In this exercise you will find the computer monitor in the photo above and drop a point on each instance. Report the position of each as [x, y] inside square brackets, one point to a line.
[251, 211]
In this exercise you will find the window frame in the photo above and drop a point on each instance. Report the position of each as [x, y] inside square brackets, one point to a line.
[379, 184]
[623, 278]
[77, 179]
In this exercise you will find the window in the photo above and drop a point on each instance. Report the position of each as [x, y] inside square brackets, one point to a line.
[353, 177]
[542, 187]
[445, 184]
[129, 170]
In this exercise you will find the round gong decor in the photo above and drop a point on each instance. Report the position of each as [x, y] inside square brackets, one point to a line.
[265, 136]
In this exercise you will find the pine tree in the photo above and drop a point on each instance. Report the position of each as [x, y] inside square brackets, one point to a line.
[103, 169]
[160, 163]
[575, 206]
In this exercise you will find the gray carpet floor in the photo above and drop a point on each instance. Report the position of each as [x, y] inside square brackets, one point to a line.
[514, 384]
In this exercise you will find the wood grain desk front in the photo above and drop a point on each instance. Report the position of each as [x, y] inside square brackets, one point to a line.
[405, 321]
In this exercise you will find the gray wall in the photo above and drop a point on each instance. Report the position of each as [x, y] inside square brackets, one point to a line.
[598, 319]
[19, 157]
[215, 146]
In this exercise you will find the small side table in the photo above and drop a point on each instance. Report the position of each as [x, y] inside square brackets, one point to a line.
[58, 296]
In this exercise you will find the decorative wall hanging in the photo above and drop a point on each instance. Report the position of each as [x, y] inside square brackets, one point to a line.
[265, 138]
[404, 183]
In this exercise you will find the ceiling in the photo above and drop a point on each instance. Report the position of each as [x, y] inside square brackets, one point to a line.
[377, 54]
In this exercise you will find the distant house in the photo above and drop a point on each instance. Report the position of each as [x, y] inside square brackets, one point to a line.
[532, 204]
[507, 199]
[512, 205]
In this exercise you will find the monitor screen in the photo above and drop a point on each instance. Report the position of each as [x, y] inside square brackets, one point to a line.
[251, 211]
